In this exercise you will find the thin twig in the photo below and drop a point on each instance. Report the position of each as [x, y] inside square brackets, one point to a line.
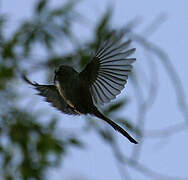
[172, 74]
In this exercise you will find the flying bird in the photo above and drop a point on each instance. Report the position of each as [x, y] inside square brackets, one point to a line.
[102, 79]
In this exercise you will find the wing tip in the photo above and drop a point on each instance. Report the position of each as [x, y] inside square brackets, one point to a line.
[133, 50]
[23, 76]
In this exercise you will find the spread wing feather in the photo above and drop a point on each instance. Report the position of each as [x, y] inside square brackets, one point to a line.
[108, 71]
[52, 96]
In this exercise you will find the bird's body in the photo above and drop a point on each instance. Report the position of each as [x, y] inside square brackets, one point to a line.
[74, 90]
[101, 80]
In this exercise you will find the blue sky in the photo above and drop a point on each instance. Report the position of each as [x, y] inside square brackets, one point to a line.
[168, 156]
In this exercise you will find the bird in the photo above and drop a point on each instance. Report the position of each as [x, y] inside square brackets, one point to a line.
[102, 79]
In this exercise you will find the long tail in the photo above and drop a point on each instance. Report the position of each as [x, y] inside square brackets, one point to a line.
[115, 126]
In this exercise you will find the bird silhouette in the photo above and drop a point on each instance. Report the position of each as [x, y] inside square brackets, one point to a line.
[102, 79]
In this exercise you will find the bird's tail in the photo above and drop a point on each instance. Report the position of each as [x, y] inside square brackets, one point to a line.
[115, 126]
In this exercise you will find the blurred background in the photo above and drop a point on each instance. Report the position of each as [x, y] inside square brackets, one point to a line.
[38, 142]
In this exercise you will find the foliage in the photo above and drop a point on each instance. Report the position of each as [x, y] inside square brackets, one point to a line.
[27, 146]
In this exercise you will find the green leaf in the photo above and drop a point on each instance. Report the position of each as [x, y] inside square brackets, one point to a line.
[67, 8]
[6, 73]
[106, 135]
[103, 25]
[129, 125]
[48, 40]
[115, 107]
[75, 142]
[40, 6]
[8, 51]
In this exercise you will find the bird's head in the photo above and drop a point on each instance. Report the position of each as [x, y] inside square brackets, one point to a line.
[63, 73]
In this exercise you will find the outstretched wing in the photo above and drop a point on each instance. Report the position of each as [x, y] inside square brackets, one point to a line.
[108, 71]
[52, 96]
